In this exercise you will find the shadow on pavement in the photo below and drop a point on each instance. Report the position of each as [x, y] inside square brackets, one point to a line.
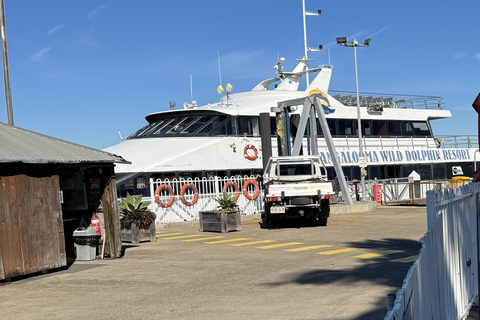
[291, 223]
[125, 247]
[388, 269]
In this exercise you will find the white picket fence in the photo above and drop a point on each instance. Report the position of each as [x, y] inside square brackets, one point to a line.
[182, 199]
[442, 284]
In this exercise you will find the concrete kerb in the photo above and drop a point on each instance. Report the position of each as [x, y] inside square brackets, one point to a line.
[357, 207]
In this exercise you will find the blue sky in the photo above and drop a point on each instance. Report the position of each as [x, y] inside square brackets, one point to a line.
[83, 70]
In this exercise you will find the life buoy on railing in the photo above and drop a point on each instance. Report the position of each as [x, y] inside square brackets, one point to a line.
[195, 194]
[438, 143]
[250, 152]
[245, 189]
[234, 185]
[157, 196]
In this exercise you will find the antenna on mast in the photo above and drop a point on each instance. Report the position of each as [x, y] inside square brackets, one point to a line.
[308, 13]
[219, 70]
[191, 88]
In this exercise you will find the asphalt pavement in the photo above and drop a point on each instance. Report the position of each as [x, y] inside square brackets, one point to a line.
[298, 271]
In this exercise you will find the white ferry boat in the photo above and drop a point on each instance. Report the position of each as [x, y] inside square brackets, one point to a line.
[224, 139]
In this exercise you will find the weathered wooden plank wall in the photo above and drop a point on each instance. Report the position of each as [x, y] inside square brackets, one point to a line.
[31, 225]
[111, 220]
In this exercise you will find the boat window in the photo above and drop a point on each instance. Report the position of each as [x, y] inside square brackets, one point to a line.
[421, 129]
[394, 128]
[147, 130]
[248, 126]
[332, 125]
[379, 128]
[366, 128]
[181, 125]
[346, 127]
[164, 127]
[273, 126]
[142, 130]
[407, 129]
[154, 127]
[222, 127]
[211, 124]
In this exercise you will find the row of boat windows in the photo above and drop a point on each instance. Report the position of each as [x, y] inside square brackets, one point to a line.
[223, 125]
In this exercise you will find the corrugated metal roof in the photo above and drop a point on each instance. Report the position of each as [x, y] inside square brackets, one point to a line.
[20, 145]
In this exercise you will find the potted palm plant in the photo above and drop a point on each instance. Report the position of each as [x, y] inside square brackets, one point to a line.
[225, 218]
[137, 223]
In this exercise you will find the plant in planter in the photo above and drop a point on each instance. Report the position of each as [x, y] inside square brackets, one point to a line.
[225, 218]
[137, 222]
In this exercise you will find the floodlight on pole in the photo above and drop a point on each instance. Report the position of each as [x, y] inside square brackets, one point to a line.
[343, 42]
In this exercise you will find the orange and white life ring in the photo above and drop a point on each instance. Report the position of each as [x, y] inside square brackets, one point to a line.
[245, 189]
[250, 152]
[234, 185]
[195, 194]
[157, 196]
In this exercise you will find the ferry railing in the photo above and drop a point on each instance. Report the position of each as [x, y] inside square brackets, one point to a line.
[458, 141]
[180, 200]
[395, 142]
[387, 100]
[402, 190]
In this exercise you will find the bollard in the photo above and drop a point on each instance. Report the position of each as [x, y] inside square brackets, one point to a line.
[377, 193]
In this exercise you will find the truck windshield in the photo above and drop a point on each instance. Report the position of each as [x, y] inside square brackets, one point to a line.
[296, 169]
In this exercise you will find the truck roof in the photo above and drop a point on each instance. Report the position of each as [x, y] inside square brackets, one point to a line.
[295, 158]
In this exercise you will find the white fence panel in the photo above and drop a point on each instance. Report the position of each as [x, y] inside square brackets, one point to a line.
[181, 200]
[443, 282]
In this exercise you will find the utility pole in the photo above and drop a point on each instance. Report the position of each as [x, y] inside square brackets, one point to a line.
[362, 160]
[6, 77]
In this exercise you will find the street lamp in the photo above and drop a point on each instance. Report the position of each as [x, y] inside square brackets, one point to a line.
[362, 160]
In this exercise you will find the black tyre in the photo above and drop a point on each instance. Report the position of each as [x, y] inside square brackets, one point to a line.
[322, 222]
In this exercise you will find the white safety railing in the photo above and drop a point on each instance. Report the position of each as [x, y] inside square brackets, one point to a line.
[401, 190]
[180, 200]
[443, 282]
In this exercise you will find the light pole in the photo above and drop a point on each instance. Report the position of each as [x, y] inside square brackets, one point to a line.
[362, 160]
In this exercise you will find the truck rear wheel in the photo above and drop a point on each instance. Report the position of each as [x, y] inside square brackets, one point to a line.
[322, 221]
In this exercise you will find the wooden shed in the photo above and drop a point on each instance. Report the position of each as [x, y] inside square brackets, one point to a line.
[47, 186]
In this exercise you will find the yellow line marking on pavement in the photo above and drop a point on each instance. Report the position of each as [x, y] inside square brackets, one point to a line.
[168, 234]
[250, 243]
[279, 245]
[327, 253]
[228, 240]
[308, 248]
[183, 237]
[369, 255]
[201, 239]
[406, 259]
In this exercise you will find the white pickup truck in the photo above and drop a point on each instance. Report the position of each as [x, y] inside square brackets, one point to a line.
[297, 186]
